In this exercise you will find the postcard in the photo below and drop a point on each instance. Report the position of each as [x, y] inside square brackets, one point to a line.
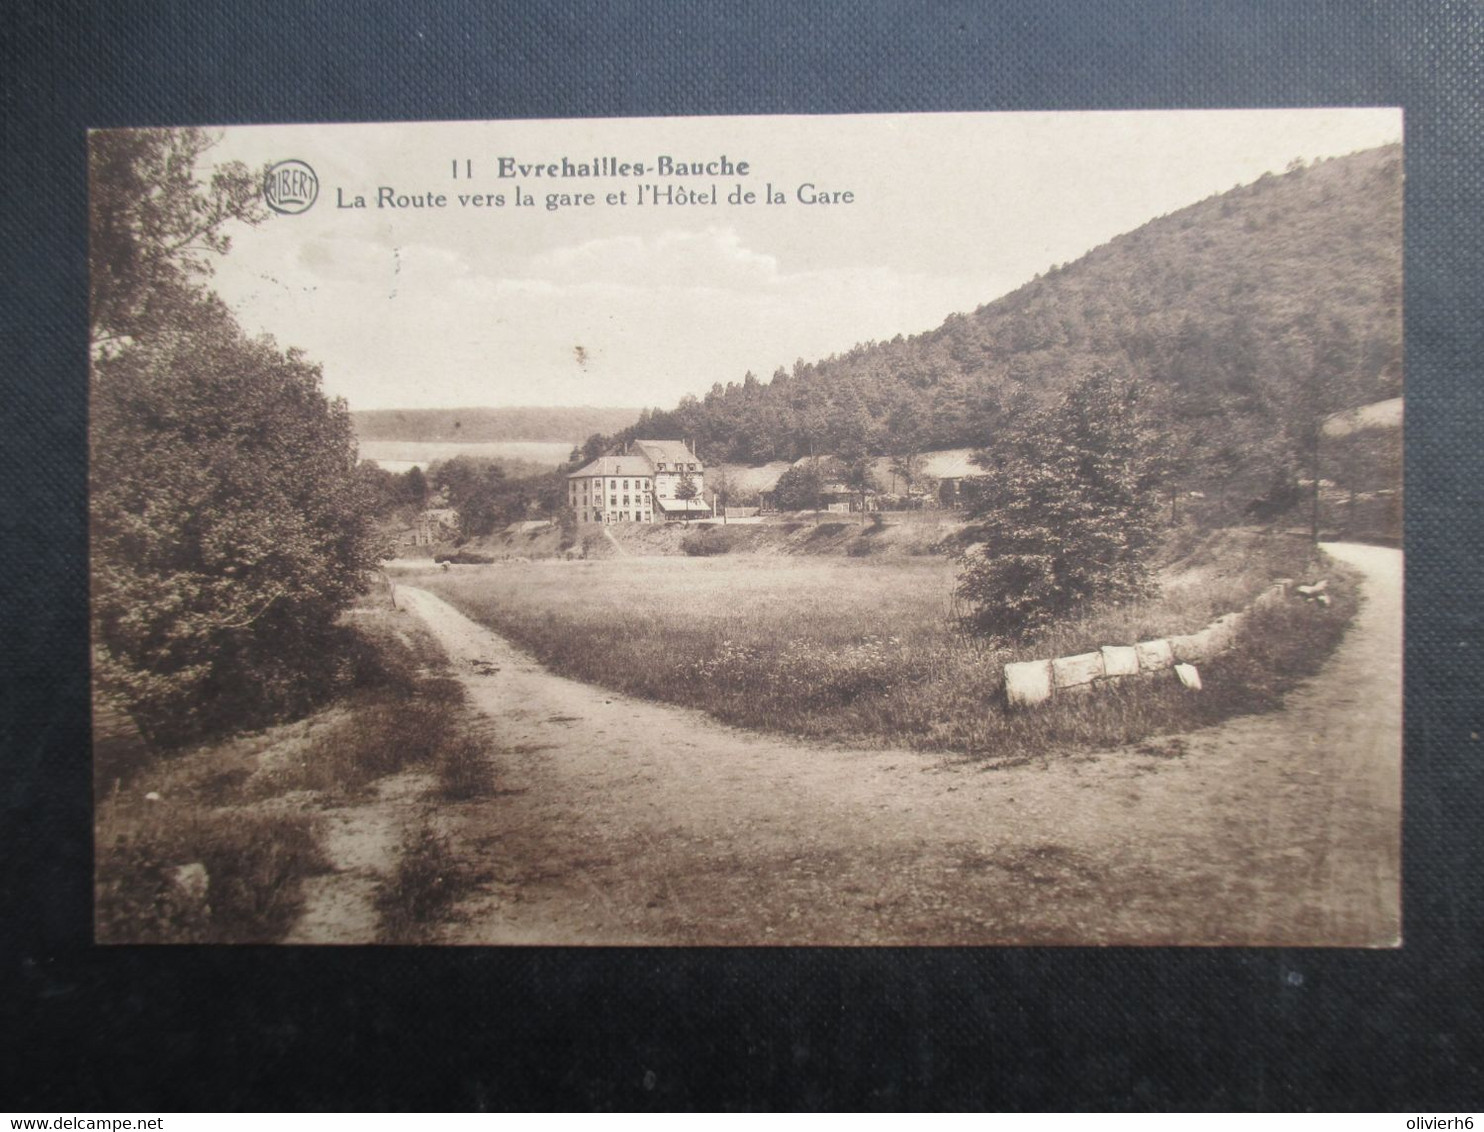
[918, 529]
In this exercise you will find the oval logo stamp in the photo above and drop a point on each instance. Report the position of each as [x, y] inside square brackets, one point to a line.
[290, 187]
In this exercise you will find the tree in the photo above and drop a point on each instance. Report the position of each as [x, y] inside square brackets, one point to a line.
[721, 489]
[905, 432]
[415, 486]
[230, 527]
[476, 487]
[1067, 511]
[685, 491]
[229, 523]
[381, 489]
[858, 477]
[797, 489]
[154, 227]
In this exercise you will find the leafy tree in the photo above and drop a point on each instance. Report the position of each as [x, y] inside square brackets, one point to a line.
[155, 227]
[855, 468]
[909, 467]
[798, 488]
[1067, 511]
[415, 486]
[229, 522]
[230, 526]
[594, 446]
[685, 489]
[381, 489]
[477, 489]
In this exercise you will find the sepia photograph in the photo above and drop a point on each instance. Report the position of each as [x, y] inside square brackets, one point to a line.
[955, 529]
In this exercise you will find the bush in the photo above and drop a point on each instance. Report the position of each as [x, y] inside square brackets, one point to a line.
[701, 545]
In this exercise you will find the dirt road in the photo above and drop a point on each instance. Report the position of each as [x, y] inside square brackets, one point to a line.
[619, 821]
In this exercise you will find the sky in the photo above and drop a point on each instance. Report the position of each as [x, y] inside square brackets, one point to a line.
[639, 304]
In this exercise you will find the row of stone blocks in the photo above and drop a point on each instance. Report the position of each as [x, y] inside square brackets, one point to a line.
[1032, 682]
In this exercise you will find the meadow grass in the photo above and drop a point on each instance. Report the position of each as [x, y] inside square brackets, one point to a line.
[870, 650]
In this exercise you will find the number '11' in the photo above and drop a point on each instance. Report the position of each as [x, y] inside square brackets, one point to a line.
[468, 168]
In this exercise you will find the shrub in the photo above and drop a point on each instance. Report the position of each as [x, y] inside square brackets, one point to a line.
[828, 530]
[700, 545]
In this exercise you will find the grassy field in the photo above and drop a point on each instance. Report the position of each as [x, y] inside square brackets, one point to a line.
[867, 650]
[251, 809]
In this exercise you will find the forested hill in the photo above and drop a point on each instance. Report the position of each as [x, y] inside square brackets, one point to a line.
[1256, 309]
[534, 423]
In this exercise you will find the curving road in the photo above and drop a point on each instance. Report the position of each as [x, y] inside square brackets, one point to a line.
[623, 821]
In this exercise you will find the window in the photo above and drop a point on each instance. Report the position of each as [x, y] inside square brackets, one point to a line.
[613, 501]
[626, 485]
[625, 500]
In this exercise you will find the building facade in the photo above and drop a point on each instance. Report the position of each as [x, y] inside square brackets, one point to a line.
[639, 486]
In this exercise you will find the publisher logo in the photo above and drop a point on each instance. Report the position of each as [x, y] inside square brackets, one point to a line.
[290, 187]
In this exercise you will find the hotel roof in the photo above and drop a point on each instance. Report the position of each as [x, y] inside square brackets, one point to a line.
[668, 452]
[614, 466]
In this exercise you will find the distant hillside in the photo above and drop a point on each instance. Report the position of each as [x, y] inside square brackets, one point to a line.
[1258, 310]
[470, 425]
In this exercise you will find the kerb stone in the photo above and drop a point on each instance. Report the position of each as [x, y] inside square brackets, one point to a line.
[1193, 648]
[1120, 660]
[1155, 656]
[1028, 683]
[1074, 671]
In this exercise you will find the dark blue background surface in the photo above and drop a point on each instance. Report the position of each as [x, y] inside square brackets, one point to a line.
[141, 1029]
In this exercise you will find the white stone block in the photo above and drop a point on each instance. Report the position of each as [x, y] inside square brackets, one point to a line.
[1074, 671]
[1219, 634]
[1120, 660]
[1189, 676]
[1028, 683]
[1155, 656]
[1192, 648]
